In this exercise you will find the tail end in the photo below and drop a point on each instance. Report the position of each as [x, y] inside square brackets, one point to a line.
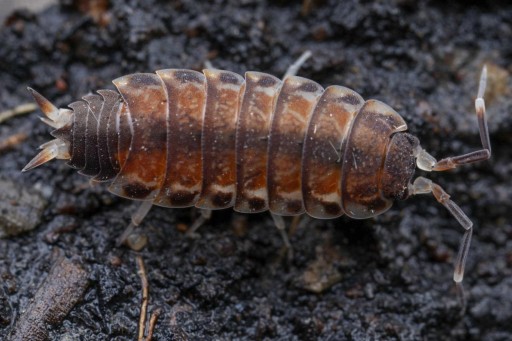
[45, 105]
[56, 118]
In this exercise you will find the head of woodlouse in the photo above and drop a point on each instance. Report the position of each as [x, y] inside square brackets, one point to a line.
[399, 166]
[61, 120]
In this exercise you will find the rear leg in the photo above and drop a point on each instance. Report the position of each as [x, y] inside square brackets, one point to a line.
[297, 220]
[291, 71]
[134, 240]
[204, 216]
[295, 67]
[281, 226]
[425, 186]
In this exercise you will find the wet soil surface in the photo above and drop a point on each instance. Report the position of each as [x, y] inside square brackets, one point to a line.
[384, 279]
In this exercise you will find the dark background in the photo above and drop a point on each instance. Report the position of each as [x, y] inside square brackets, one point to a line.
[387, 278]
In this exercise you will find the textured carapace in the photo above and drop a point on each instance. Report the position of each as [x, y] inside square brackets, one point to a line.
[214, 140]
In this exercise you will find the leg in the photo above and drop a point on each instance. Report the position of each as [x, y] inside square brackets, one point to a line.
[423, 186]
[428, 163]
[208, 65]
[461, 297]
[281, 226]
[204, 217]
[137, 218]
[294, 68]
[296, 220]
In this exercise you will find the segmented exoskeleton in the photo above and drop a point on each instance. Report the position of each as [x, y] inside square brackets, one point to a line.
[215, 140]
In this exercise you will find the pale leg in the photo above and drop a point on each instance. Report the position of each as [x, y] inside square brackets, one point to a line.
[204, 217]
[424, 186]
[281, 226]
[294, 68]
[428, 163]
[136, 219]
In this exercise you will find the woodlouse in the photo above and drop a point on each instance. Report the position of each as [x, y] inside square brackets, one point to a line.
[179, 138]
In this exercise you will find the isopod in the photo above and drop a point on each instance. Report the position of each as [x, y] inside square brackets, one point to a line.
[213, 140]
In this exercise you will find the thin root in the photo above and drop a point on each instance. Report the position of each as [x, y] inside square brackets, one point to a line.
[145, 297]
[16, 111]
[12, 141]
[152, 323]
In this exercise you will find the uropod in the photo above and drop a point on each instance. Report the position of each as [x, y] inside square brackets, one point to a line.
[214, 140]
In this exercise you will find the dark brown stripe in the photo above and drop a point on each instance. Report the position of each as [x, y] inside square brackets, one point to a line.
[351, 99]
[110, 105]
[257, 205]
[221, 199]
[267, 81]
[92, 162]
[140, 80]
[137, 190]
[231, 78]
[112, 137]
[309, 87]
[185, 76]
[178, 199]
[80, 110]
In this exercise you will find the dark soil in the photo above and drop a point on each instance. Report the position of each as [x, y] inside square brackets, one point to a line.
[380, 279]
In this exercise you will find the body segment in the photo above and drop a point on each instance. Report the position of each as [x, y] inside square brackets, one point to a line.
[223, 92]
[324, 145]
[252, 134]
